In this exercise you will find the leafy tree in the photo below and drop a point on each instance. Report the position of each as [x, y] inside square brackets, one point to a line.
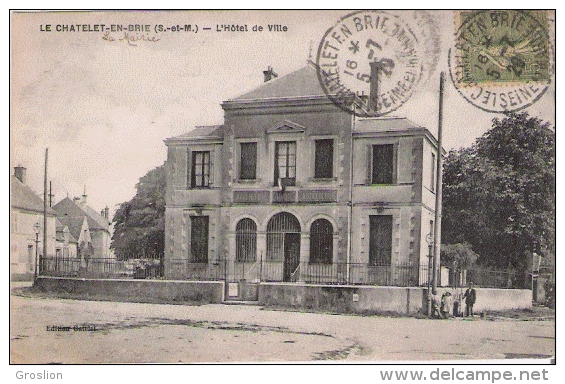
[139, 229]
[460, 253]
[499, 194]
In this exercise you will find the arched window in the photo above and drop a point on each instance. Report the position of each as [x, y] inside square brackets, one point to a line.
[246, 240]
[321, 242]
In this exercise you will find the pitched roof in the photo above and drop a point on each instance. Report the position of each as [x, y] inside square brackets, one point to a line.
[102, 222]
[74, 224]
[68, 208]
[300, 83]
[202, 132]
[59, 232]
[22, 197]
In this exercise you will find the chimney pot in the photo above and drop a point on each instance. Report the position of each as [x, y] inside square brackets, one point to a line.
[20, 173]
[269, 74]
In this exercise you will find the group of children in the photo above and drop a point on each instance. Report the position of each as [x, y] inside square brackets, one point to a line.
[442, 308]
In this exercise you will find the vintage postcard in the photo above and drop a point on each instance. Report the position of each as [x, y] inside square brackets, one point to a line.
[371, 186]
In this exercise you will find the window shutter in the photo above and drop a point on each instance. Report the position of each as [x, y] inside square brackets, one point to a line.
[211, 168]
[323, 158]
[383, 158]
[369, 154]
[248, 161]
[188, 168]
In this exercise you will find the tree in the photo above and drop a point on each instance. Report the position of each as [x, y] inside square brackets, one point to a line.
[460, 255]
[499, 194]
[139, 229]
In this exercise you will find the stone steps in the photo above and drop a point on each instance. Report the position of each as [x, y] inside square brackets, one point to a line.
[240, 302]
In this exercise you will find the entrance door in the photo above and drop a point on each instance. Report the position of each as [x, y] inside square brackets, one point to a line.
[283, 247]
[291, 255]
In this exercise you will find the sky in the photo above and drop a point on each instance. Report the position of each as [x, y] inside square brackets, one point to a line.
[103, 108]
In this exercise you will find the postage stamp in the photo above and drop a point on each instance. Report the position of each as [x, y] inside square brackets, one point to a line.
[503, 59]
[370, 62]
[231, 186]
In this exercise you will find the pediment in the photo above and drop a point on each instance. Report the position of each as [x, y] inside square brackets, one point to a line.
[287, 126]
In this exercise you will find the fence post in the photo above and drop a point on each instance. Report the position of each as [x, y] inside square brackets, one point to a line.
[261, 267]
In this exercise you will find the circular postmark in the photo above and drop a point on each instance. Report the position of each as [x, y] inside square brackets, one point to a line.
[502, 60]
[370, 62]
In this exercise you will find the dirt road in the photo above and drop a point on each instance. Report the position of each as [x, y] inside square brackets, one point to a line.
[44, 330]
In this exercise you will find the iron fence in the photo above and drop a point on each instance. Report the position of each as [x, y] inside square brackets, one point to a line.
[398, 274]
[107, 268]
[493, 278]
[183, 269]
[393, 274]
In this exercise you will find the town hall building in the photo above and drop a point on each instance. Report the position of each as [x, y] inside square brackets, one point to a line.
[292, 188]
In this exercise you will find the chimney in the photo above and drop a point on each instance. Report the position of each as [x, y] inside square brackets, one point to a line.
[269, 74]
[83, 200]
[106, 211]
[20, 173]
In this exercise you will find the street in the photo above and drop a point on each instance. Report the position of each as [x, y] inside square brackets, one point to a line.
[47, 330]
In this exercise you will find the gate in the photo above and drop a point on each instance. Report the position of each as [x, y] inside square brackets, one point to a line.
[283, 244]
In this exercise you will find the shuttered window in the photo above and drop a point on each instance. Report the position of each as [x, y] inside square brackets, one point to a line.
[321, 242]
[382, 164]
[323, 166]
[380, 240]
[248, 162]
[199, 239]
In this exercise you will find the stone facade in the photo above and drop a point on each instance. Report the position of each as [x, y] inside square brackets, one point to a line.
[296, 184]
[26, 211]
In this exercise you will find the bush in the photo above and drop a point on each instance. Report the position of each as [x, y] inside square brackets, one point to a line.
[549, 288]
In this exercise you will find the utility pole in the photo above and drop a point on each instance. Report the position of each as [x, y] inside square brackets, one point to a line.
[374, 86]
[51, 195]
[350, 207]
[44, 209]
[439, 180]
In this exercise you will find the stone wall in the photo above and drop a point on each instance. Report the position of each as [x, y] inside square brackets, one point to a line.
[357, 299]
[152, 291]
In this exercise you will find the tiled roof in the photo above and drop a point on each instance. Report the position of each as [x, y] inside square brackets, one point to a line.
[60, 231]
[22, 197]
[102, 222]
[203, 131]
[74, 224]
[300, 83]
[71, 209]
